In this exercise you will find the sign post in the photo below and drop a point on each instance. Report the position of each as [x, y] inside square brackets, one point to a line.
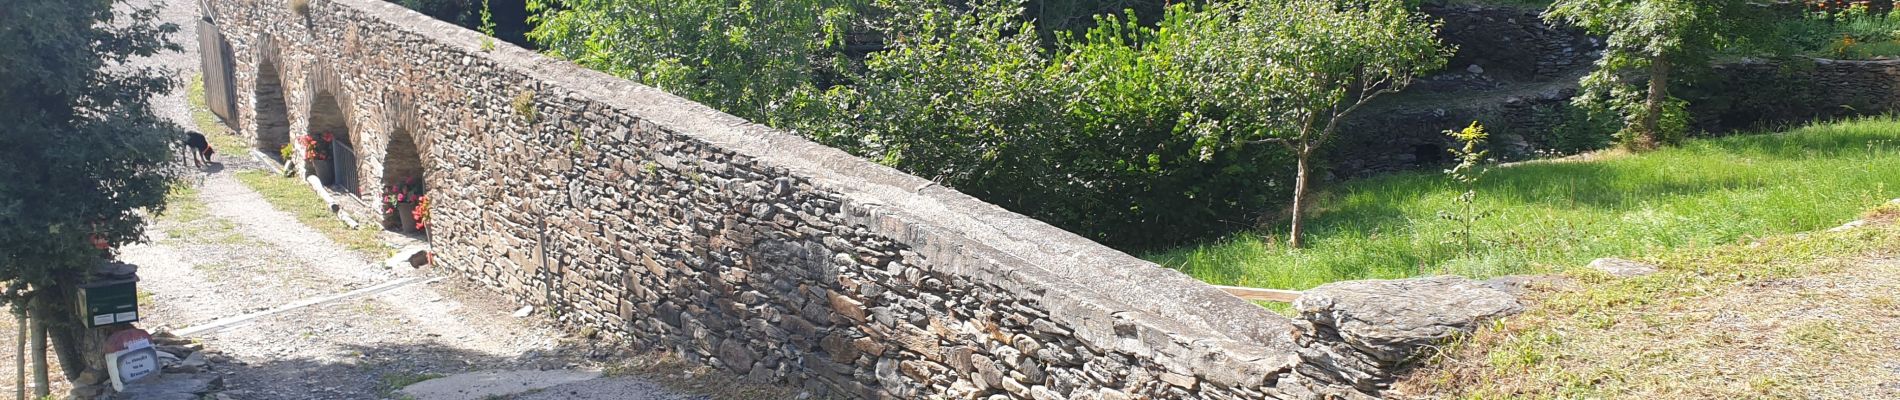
[130, 357]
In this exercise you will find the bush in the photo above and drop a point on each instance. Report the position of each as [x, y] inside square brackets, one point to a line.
[1573, 130]
[1099, 139]
[459, 12]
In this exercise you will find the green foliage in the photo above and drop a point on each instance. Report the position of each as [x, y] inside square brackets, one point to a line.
[82, 152]
[488, 19]
[459, 12]
[1124, 130]
[1288, 71]
[1852, 33]
[1095, 137]
[739, 56]
[1550, 215]
[1657, 38]
[1573, 130]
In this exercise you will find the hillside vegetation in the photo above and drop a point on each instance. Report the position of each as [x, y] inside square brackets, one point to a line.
[1542, 216]
[1809, 316]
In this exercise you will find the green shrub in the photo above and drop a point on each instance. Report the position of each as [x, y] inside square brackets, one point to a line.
[741, 57]
[1571, 130]
[524, 106]
[459, 12]
[1098, 138]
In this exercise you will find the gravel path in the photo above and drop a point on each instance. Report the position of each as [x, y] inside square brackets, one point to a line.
[224, 251]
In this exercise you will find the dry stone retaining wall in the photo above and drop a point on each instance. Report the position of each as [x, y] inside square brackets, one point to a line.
[626, 211]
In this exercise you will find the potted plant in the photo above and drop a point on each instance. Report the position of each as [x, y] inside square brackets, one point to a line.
[421, 213]
[399, 203]
[316, 156]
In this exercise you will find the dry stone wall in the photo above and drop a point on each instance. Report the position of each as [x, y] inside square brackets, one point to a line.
[622, 210]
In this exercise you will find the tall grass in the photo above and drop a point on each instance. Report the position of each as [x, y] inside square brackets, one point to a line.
[1547, 215]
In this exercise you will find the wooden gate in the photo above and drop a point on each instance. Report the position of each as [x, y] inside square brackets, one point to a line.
[216, 59]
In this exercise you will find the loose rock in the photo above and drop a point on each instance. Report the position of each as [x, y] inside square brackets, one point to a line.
[1622, 268]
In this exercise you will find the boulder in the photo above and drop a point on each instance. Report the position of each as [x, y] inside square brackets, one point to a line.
[412, 257]
[1389, 320]
[1622, 268]
[191, 364]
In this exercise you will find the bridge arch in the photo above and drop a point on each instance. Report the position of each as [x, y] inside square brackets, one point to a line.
[272, 115]
[402, 168]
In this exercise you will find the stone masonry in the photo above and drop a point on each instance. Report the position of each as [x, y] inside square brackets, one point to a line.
[620, 209]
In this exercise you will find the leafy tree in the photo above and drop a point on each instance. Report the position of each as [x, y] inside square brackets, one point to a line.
[739, 56]
[1289, 71]
[1092, 136]
[459, 12]
[82, 151]
[1653, 38]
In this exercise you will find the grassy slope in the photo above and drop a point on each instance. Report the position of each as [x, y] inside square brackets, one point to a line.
[1546, 215]
[1812, 316]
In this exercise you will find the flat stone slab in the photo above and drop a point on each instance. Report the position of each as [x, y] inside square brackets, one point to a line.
[1391, 319]
[607, 388]
[488, 384]
[172, 386]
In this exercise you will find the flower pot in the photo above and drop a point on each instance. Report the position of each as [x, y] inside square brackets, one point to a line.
[406, 214]
[324, 170]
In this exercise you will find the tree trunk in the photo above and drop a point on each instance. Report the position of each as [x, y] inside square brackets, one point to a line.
[65, 330]
[19, 359]
[36, 348]
[1651, 131]
[1299, 198]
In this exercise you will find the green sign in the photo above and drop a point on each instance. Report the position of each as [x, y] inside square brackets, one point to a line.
[109, 302]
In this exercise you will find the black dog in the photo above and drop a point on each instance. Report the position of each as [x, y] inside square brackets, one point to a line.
[199, 150]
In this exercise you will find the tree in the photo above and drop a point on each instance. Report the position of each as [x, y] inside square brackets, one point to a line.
[1655, 38]
[1289, 71]
[82, 151]
[1089, 134]
[738, 56]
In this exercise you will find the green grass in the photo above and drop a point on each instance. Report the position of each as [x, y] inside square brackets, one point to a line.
[295, 197]
[189, 220]
[1545, 216]
[394, 381]
[207, 123]
[1804, 316]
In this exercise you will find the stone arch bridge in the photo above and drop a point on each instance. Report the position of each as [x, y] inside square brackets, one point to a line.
[659, 221]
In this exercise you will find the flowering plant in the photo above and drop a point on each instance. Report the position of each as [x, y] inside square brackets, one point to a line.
[422, 212]
[409, 191]
[316, 147]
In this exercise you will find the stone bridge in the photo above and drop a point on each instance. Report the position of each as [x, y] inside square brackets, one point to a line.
[650, 219]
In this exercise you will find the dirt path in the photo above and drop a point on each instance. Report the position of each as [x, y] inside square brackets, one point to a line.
[223, 251]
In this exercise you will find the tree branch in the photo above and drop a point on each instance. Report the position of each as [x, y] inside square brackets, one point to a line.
[1366, 96]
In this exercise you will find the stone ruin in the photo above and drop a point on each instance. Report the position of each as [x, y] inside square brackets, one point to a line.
[663, 223]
